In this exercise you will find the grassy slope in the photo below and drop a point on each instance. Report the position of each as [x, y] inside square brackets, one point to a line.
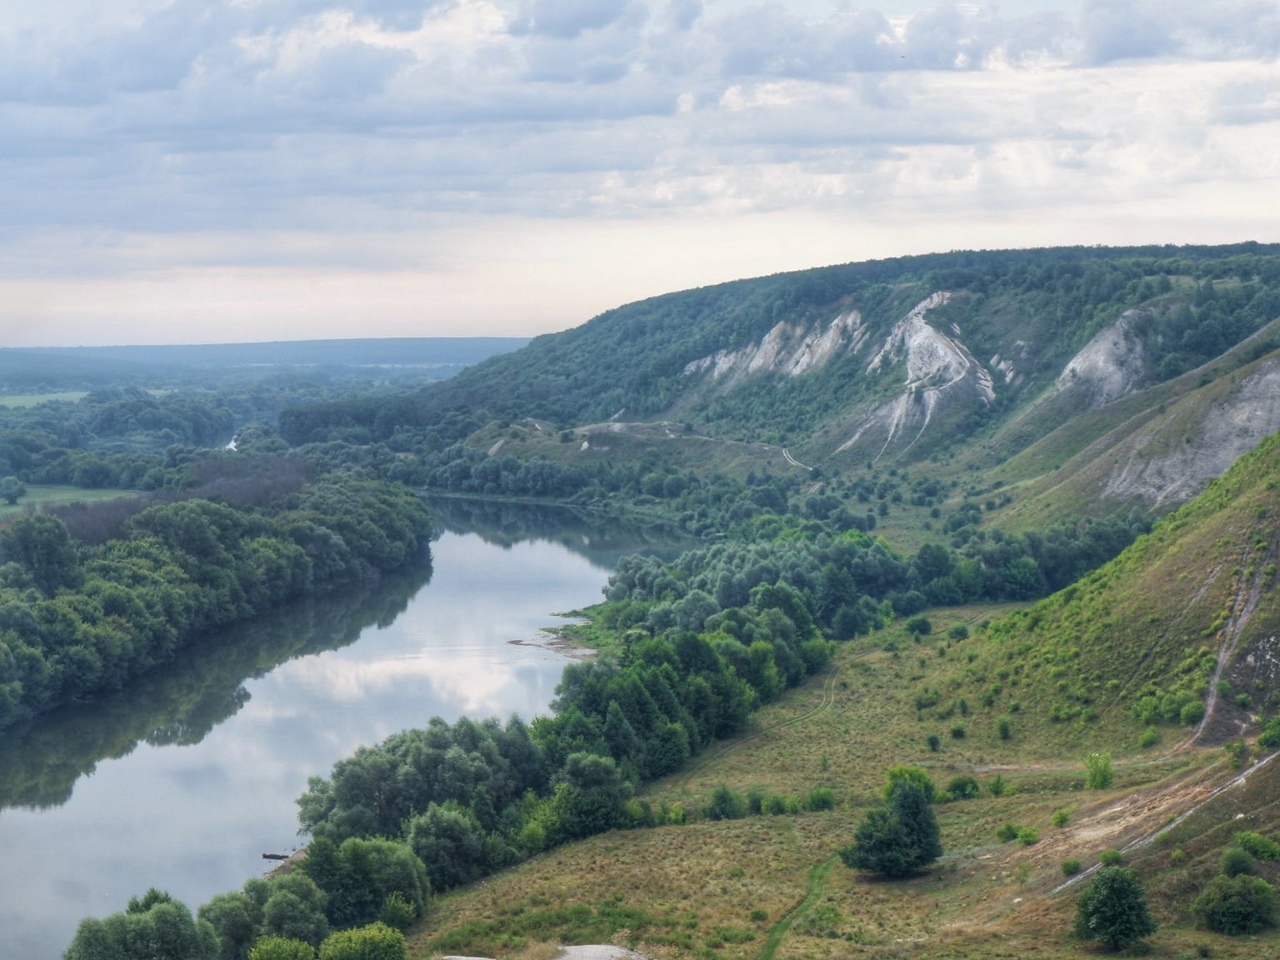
[768, 886]
[41, 495]
[1061, 473]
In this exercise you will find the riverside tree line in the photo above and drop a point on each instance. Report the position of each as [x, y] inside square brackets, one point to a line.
[77, 619]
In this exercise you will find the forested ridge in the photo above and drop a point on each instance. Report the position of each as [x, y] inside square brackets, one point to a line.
[630, 361]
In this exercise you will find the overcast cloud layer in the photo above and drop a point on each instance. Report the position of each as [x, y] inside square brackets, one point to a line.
[219, 170]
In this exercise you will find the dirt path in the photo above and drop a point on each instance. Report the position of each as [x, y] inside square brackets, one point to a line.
[817, 878]
[1143, 812]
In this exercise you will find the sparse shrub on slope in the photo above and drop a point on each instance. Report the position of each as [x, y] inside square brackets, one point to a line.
[1113, 910]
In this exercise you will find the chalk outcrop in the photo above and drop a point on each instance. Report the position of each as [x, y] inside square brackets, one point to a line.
[941, 375]
[791, 349]
[1163, 471]
[1110, 366]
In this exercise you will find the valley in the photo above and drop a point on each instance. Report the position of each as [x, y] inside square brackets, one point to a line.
[1003, 520]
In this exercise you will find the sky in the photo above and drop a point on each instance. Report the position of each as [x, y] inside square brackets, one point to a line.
[209, 171]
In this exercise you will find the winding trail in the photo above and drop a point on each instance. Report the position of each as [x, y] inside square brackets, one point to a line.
[817, 878]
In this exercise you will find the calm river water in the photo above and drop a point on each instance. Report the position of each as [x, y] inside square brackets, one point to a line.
[186, 780]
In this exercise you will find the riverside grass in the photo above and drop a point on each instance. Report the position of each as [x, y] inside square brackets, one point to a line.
[726, 888]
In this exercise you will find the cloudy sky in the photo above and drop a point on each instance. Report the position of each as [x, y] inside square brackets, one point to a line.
[186, 171]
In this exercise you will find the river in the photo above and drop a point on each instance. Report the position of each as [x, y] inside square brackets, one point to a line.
[186, 779]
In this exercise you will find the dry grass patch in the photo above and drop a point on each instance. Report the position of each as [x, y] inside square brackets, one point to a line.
[706, 886]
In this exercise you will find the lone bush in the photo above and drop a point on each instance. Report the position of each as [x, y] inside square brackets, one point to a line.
[1113, 910]
[1236, 905]
[1098, 772]
[898, 840]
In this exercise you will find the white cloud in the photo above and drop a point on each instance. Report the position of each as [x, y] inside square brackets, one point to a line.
[256, 140]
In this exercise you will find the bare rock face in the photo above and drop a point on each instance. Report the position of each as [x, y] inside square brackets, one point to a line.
[1163, 474]
[1111, 365]
[791, 349]
[942, 375]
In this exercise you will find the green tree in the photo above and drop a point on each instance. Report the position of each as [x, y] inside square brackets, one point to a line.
[1113, 909]
[450, 843]
[897, 840]
[293, 906]
[374, 942]
[155, 926]
[590, 798]
[41, 545]
[235, 919]
[360, 875]
[1098, 772]
[11, 489]
[666, 750]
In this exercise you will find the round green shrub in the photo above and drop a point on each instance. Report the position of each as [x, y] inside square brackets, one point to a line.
[1235, 861]
[1236, 905]
[1113, 910]
[377, 941]
[282, 948]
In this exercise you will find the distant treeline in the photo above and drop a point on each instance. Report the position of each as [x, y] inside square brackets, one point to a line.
[849, 583]
[24, 369]
[76, 619]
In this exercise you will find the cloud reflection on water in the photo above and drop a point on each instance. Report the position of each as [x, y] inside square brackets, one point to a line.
[194, 818]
